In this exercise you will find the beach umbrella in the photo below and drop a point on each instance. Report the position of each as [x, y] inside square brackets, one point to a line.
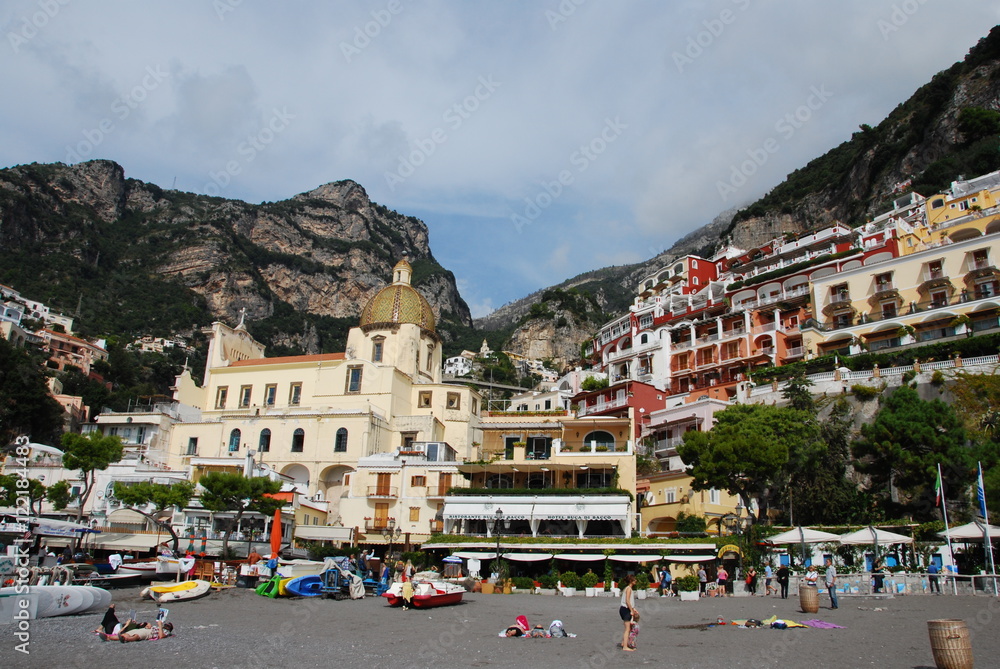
[972, 532]
[873, 535]
[276, 534]
[802, 536]
[452, 558]
[805, 535]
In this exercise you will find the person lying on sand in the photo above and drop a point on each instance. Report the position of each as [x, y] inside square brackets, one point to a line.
[140, 632]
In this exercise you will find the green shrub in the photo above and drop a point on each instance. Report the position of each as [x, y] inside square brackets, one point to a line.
[688, 583]
[547, 581]
[864, 393]
[609, 574]
[523, 582]
[570, 579]
[937, 378]
[589, 580]
[642, 581]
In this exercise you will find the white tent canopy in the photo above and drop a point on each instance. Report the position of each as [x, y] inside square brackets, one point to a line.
[807, 535]
[873, 535]
[971, 532]
[635, 558]
[690, 558]
[579, 557]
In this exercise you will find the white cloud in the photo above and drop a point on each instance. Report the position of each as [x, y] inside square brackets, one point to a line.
[556, 86]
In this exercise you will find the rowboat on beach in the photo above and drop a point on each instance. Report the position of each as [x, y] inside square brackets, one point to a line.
[178, 592]
[426, 594]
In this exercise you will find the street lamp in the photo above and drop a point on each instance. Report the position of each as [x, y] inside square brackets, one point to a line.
[739, 533]
[390, 532]
[499, 522]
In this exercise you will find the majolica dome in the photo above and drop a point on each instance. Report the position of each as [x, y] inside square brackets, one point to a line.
[399, 302]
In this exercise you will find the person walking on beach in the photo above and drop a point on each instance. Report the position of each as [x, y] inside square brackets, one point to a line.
[783, 580]
[831, 583]
[752, 581]
[768, 575]
[932, 577]
[702, 579]
[626, 610]
[721, 580]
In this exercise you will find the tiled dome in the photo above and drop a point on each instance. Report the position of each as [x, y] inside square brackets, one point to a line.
[398, 302]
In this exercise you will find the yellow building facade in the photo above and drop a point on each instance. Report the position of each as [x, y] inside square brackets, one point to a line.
[313, 417]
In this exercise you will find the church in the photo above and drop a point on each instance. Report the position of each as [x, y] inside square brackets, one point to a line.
[314, 418]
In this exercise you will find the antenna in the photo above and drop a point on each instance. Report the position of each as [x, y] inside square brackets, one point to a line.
[174, 187]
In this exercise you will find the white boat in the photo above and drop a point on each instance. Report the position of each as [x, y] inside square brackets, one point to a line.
[145, 570]
[178, 591]
[296, 568]
[173, 566]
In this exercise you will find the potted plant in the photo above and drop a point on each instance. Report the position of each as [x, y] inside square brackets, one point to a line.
[641, 584]
[687, 587]
[546, 584]
[570, 581]
[589, 582]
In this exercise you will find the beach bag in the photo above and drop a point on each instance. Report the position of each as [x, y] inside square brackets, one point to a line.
[556, 629]
[522, 622]
[779, 625]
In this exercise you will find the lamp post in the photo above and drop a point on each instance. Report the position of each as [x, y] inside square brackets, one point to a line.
[498, 523]
[390, 532]
[739, 533]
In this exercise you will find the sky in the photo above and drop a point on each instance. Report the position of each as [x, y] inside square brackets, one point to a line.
[537, 140]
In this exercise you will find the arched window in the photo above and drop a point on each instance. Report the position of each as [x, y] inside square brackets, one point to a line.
[499, 481]
[600, 440]
[298, 439]
[340, 443]
[264, 445]
[234, 441]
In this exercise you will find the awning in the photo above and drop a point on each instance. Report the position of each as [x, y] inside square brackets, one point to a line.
[579, 557]
[690, 558]
[527, 557]
[131, 542]
[634, 558]
[547, 507]
[323, 533]
[472, 555]
[46, 527]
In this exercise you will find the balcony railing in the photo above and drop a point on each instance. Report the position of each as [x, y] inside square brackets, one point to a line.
[844, 322]
[382, 491]
[376, 525]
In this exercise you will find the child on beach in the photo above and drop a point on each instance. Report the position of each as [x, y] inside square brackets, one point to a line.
[634, 631]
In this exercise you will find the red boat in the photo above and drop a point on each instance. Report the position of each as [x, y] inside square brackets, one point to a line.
[426, 594]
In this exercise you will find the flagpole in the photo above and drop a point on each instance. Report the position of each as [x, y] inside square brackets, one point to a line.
[947, 530]
[981, 494]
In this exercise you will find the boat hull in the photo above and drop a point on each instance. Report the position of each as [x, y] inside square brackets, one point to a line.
[180, 592]
[426, 595]
[305, 586]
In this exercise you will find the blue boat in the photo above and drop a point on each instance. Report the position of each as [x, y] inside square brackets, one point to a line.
[305, 586]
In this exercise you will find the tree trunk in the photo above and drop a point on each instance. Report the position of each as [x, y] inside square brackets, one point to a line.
[167, 526]
[229, 531]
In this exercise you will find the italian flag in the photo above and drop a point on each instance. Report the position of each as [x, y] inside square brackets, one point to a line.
[937, 490]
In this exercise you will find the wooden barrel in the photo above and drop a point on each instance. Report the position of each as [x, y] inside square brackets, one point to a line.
[950, 644]
[808, 598]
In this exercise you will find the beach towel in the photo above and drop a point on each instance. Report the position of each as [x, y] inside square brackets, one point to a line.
[822, 624]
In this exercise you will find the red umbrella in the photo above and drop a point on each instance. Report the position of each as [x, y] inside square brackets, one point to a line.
[276, 534]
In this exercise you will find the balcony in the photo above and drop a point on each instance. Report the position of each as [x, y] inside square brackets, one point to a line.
[376, 525]
[382, 491]
[436, 526]
[601, 407]
[795, 352]
[438, 491]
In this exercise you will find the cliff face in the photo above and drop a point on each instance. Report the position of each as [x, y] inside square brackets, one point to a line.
[302, 268]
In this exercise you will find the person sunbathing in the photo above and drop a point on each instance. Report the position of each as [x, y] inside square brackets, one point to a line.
[135, 631]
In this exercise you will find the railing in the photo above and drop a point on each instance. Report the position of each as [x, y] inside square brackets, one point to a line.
[437, 526]
[382, 491]
[376, 525]
[439, 491]
[603, 406]
[912, 308]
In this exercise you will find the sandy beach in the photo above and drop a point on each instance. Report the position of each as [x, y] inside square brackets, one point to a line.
[236, 628]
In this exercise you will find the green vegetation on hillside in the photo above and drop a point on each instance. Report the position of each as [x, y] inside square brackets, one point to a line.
[876, 152]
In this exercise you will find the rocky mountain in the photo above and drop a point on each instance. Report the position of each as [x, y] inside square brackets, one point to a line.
[948, 128]
[128, 257]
